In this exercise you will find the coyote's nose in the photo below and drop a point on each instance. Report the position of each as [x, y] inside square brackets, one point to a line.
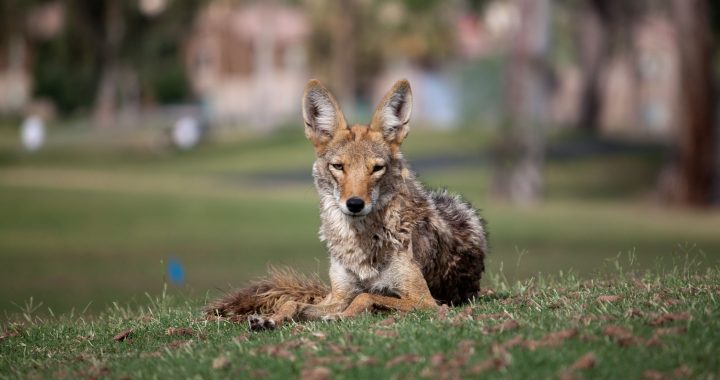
[355, 204]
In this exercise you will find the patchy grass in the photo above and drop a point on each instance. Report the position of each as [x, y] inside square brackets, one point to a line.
[621, 325]
[93, 219]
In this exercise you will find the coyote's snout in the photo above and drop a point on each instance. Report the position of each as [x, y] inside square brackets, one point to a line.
[392, 244]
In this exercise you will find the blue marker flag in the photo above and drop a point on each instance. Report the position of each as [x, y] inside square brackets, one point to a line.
[176, 272]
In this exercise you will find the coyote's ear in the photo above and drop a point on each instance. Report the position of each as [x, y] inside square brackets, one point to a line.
[321, 114]
[393, 113]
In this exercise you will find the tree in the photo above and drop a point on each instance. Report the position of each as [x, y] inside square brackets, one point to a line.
[697, 140]
[520, 154]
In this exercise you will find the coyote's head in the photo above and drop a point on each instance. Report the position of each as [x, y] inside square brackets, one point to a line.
[357, 164]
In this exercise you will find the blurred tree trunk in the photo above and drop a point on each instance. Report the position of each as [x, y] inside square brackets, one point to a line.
[343, 52]
[520, 153]
[594, 49]
[693, 174]
[107, 92]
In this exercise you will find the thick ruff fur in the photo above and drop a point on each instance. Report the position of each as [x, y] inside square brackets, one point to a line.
[392, 243]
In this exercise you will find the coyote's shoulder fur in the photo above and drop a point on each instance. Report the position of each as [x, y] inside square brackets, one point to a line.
[392, 243]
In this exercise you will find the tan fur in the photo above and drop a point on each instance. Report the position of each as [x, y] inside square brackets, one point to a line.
[266, 295]
[400, 248]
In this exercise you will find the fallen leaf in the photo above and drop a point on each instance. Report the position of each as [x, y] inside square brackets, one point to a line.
[317, 373]
[495, 316]
[508, 325]
[586, 361]
[179, 331]
[496, 363]
[634, 313]
[512, 342]
[652, 374]
[9, 334]
[319, 334]
[682, 372]
[367, 360]
[466, 345]
[671, 302]
[486, 292]
[608, 298]
[586, 319]
[621, 335]
[653, 342]
[677, 330]
[279, 351]
[669, 317]
[437, 359]
[121, 336]
[335, 348]
[553, 339]
[407, 358]
[178, 343]
[387, 322]
[442, 312]
[464, 315]
[386, 333]
[220, 362]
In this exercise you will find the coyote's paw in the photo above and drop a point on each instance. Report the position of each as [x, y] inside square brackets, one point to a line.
[259, 323]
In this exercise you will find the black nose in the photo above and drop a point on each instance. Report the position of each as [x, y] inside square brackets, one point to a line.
[355, 204]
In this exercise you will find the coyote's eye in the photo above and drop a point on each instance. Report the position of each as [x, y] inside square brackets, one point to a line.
[378, 168]
[337, 166]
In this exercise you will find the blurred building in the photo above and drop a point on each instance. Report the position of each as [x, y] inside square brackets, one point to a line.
[650, 81]
[42, 22]
[639, 86]
[15, 78]
[247, 62]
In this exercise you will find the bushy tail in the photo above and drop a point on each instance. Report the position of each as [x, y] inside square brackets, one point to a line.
[266, 295]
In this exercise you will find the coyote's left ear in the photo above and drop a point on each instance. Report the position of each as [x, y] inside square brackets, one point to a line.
[392, 115]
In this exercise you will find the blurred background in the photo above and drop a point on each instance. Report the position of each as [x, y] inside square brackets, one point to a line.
[146, 143]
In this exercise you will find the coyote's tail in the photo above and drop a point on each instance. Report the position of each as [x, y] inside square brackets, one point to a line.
[266, 295]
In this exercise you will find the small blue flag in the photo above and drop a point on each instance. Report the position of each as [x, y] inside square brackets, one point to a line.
[176, 272]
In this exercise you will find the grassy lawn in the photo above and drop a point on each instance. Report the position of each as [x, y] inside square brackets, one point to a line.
[92, 220]
[598, 281]
[655, 326]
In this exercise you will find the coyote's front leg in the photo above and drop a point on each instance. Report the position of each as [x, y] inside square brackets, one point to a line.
[297, 311]
[335, 302]
[413, 290]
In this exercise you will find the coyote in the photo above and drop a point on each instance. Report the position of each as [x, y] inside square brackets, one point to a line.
[392, 243]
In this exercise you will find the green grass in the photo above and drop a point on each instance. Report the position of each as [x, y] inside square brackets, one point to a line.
[87, 225]
[482, 340]
[93, 219]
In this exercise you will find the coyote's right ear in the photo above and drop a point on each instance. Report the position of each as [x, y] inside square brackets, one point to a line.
[321, 114]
